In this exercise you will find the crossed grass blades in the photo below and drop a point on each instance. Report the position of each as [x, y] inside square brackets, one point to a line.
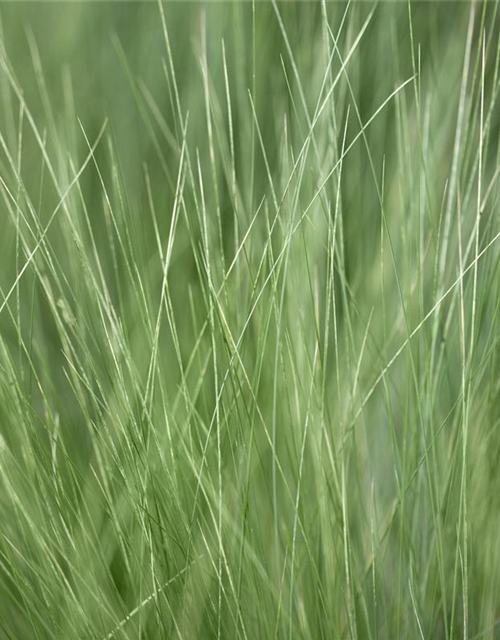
[249, 321]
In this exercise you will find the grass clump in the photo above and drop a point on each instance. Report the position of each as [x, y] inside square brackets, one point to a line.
[249, 372]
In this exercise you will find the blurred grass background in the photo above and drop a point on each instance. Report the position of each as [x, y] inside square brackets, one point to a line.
[249, 320]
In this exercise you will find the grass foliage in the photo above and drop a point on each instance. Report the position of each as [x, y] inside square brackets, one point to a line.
[249, 321]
